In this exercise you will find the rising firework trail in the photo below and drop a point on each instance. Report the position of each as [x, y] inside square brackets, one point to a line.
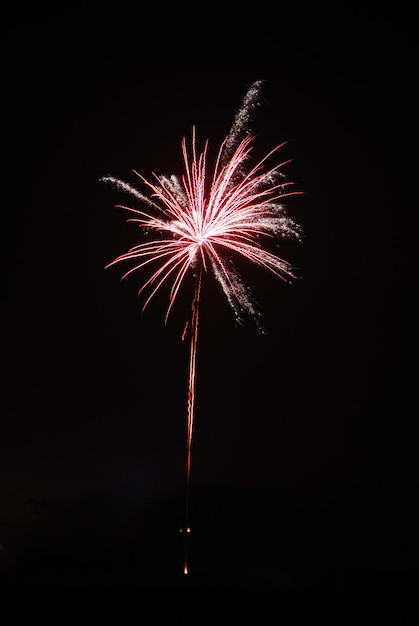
[199, 220]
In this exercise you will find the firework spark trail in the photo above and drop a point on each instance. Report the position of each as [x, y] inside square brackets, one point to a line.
[191, 410]
[242, 119]
[199, 221]
[192, 372]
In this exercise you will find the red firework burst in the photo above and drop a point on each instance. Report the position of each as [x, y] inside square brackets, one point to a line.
[197, 222]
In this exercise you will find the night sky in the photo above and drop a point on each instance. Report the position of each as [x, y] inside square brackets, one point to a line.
[304, 459]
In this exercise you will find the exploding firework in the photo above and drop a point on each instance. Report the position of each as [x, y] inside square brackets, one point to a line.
[198, 222]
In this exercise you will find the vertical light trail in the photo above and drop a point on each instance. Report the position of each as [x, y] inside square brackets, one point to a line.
[191, 409]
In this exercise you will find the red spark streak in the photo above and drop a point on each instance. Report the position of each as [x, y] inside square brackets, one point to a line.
[192, 374]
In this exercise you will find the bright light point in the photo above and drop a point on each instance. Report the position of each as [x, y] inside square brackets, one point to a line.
[186, 530]
[185, 569]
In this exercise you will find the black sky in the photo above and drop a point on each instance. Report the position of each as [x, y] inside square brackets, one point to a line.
[319, 412]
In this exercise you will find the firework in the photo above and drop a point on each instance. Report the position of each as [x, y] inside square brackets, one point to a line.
[197, 222]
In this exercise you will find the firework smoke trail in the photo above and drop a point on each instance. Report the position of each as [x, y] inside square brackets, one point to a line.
[198, 220]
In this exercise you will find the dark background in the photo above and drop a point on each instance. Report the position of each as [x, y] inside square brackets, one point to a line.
[304, 464]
